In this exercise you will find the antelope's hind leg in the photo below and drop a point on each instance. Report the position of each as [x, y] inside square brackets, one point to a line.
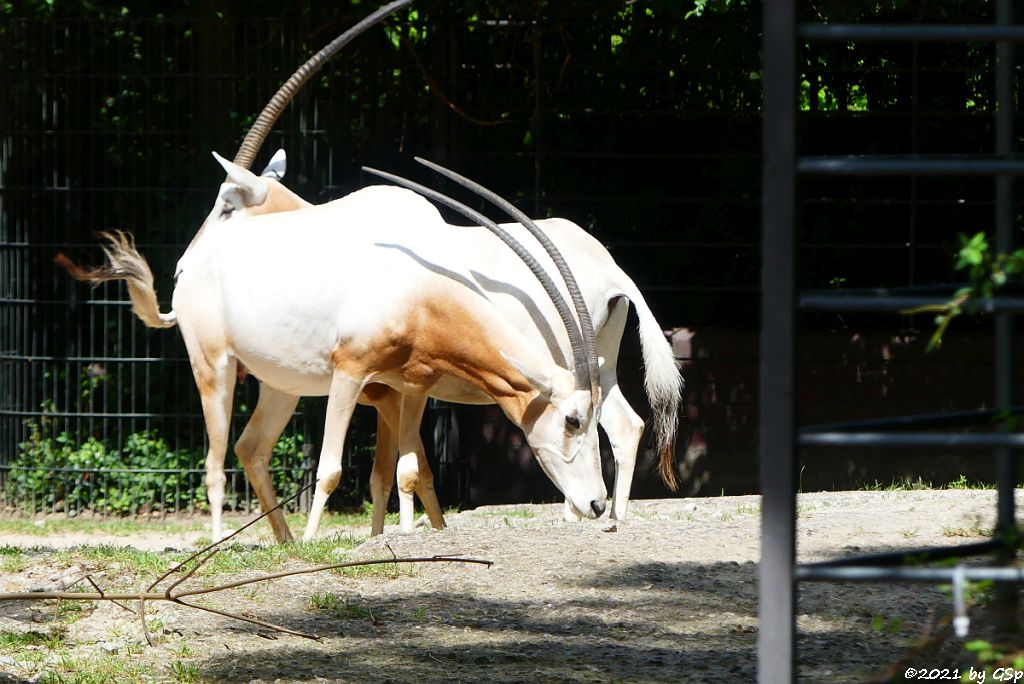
[273, 411]
[215, 379]
[385, 459]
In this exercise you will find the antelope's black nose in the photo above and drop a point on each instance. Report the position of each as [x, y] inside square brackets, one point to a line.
[598, 507]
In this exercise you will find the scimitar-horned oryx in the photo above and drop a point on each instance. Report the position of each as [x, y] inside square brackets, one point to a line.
[365, 289]
[607, 291]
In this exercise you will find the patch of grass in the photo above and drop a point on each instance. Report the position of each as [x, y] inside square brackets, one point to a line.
[327, 601]
[342, 519]
[385, 570]
[332, 603]
[100, 670]
[517, 512]
[182, 650]
[126, 558]
[889, 625]
[13, 559]
[233, 559]
[963, 483]
[972, 531]
[71, 611]
[17, 641]
[126, 526]
[184, 673]
[743, 509]
[908, 534]
[908, 485]
[897, 486]
[121, 527]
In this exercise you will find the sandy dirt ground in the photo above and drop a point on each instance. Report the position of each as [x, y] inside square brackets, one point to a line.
[671, 596]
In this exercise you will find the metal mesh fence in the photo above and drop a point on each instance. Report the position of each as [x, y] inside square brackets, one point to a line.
[636, 122]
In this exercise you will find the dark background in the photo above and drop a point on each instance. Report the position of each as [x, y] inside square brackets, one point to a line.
[637, 120]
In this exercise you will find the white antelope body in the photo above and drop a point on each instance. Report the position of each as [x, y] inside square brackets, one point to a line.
[518, 295]
[367, 289]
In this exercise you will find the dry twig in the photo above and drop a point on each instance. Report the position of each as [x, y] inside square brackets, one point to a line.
[175, 595]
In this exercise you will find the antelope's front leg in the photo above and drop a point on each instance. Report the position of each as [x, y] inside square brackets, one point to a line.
[624, 429]
[618, 419]
[410, 449]
[341, 402]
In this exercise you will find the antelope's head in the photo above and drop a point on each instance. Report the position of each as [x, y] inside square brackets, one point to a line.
[561, 428]
[243, 193]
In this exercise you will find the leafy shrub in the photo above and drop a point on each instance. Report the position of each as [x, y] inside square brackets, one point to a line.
[286, 466]
[145, 475]
[54, 473]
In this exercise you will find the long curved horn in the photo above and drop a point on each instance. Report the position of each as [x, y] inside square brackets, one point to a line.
[261, 128]
[580, 361]
[586, 323]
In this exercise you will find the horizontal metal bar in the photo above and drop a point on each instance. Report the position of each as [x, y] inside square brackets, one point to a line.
[87, 359]
[84, 245]
[911, 32]
[136, 471]
[928, 575]
[64, 302]
[908, 556]
[905, 291]
[839, 302]
[68, 414]
[923, 165]
[912, 439]
[950, 418]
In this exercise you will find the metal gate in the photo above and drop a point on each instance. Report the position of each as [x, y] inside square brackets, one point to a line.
[781, 302]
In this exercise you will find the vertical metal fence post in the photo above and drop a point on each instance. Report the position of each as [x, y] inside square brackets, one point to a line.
[777, 601]
[1006, 592]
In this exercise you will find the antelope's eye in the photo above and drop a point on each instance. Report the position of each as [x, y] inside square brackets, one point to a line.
[227, 210]
[573, 422]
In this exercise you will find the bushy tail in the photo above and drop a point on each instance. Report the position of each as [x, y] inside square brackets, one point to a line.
[664, 385]
[125, 263]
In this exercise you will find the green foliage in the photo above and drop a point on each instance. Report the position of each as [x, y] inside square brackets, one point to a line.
[286, 465]
[342, 607]
[889, 625]
[184, 673]
[143, 476]
[986, 273]
[992, 656]
[50, 471]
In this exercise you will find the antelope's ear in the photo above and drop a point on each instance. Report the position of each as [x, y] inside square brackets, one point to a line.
[539, 382]
[252, 190]
[276, 168]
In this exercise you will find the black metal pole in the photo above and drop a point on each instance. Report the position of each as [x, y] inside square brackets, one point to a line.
[776, 641]
[1006, 592]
